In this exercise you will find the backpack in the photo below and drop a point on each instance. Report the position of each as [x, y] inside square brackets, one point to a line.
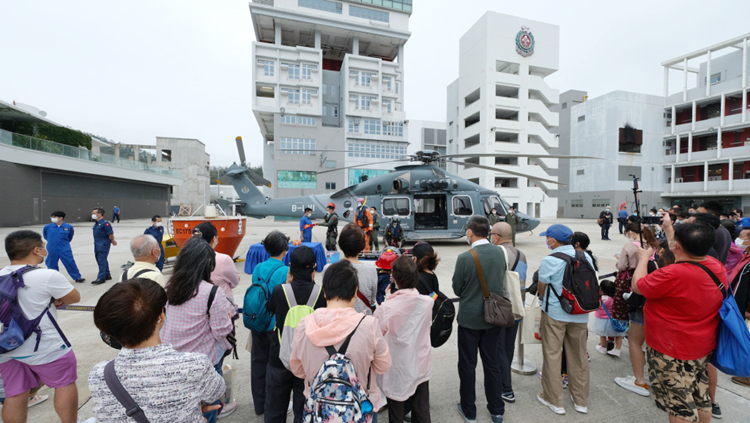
[580, 288]
[732, 336]
[293, 316]
[255, 314]
[443, 314]
[16, 327]
[336, 394]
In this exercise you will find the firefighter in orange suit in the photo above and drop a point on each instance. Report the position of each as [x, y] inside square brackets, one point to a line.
[363, 219]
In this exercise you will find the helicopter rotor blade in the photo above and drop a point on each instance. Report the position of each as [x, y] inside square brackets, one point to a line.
[289, 150]
[257, 178]
[510, 172]
[241, 150]
[531, 156]
[363, 164]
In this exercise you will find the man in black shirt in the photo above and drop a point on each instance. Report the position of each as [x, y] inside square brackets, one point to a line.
[280, 382]
[606, 219]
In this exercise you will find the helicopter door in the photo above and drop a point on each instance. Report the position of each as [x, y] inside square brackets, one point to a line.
[462, 210]
[397, 206]
[430, 212]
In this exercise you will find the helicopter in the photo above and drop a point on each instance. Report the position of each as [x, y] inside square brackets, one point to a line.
[432, 204]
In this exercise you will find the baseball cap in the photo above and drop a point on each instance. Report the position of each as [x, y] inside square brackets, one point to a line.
[421, 249]
[303, 257]
[558, 232]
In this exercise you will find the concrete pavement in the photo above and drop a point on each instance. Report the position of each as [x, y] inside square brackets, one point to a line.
[607, 401]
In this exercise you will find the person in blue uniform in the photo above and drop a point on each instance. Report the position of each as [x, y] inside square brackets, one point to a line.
[157, 231]
[58, 235]
[116, 214]
[104, 237]
[305, 226]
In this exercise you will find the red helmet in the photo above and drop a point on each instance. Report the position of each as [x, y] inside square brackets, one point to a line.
[331, 205]
[387, 258]
[360, 200]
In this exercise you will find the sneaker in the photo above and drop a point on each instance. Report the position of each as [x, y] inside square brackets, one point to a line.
[631, 385]
[37, 399]
[556, 410]
[601, 349]
[509, 397]
[80, 280]
[497, 418]
[227, 409]
[579, 408]
[715, 410]
[565, 380]
[615, 352]
[466, 419]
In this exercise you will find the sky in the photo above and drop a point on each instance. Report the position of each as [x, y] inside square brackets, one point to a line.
[134, 70]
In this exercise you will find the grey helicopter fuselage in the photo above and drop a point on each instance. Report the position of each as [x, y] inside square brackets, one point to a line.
[430, 202]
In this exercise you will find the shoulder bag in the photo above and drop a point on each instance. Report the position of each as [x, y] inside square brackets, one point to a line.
[498, 311]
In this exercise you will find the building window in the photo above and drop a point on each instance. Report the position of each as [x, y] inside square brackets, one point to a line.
[388, 83]
[333, 91]
[325, 89]
[600, 202]
[388, 106]
[581, 118]
[579, 172]
[296, 179]
[306, 121]
[376, 150]
[576, 203]
[297, 146]
[268, 66]
[630, 140]
[324, 5]
[330, 185]
[288, 119]
[715, 78]
[404, 5]
[307, 96]
[565, 105]
[361, 78]
[293, 95]
[393, 129]
[307, 71]
[353, 127]
[293, 70]
[365, 102]
[335, 111]
[372, 127]
[371, 14]
[330, 164]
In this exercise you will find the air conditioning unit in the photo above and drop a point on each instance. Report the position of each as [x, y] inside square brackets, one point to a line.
[678, 180]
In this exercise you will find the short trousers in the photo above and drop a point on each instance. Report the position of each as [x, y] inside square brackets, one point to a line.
[637, 316]
[20, 377]
[680, 387]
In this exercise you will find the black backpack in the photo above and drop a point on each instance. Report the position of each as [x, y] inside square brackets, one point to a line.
[443, 315]
[580, 288]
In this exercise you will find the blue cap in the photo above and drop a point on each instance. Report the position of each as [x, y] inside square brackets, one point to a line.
[558, 232]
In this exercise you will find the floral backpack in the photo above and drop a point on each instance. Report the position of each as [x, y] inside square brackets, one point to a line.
[336, 396]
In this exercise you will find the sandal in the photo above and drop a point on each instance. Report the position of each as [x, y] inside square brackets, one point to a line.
[744, 381]
[37, 399]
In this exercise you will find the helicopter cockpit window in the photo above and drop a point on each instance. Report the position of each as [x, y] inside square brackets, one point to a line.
[462, 205]
[396, 206]
[493, 202]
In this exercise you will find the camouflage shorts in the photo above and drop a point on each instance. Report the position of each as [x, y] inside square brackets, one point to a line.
[680, 387]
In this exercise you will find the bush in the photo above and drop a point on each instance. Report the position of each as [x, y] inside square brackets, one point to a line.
[50, 132]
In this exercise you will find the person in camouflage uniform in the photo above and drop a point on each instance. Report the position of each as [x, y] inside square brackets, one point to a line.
[512, 219]
[375, 229]
[331, 220]
[493, 218]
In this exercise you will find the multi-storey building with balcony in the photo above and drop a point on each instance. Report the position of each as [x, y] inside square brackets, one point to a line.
[707, 127]
[501, 103]
[329, 75]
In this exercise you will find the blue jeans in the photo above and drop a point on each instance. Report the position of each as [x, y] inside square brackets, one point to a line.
[211, 416]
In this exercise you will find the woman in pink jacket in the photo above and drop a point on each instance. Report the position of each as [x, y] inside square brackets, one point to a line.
[368, 350]
[405, 319]
[225, 274]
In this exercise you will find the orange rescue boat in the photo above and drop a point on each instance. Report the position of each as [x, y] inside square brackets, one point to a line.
[231, 229]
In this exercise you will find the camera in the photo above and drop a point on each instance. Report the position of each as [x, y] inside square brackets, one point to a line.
[656, 220]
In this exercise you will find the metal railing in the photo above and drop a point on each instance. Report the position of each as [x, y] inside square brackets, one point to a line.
[46, 146]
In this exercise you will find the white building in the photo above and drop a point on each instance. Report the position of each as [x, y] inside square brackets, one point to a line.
[427, 135]
[501, 103]
[598, 129]
[707, 127]
[568, 99]
[328, 76]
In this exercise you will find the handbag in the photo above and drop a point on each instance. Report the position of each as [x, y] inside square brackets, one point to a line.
[512, 286]
[531, 323]
[732, 335]
[231, 336]
[617, 325]
[497, 310]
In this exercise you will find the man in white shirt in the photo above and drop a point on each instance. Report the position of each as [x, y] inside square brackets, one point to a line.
[52, 361]
[146, 253]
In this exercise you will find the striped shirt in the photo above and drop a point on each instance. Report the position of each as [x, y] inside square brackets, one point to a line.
[168, 385]
[189, 329]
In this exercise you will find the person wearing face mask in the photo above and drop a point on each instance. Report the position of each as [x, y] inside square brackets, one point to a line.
[52, 359]
[363, 219]
[605, 221]
[475, 335]
[157, 231]
[305, 226]
[740, 283]
[59, 235]
[146, 253]
[104, 237]
[494, 217]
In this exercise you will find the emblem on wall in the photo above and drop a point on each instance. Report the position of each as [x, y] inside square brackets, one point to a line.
[525, 42]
